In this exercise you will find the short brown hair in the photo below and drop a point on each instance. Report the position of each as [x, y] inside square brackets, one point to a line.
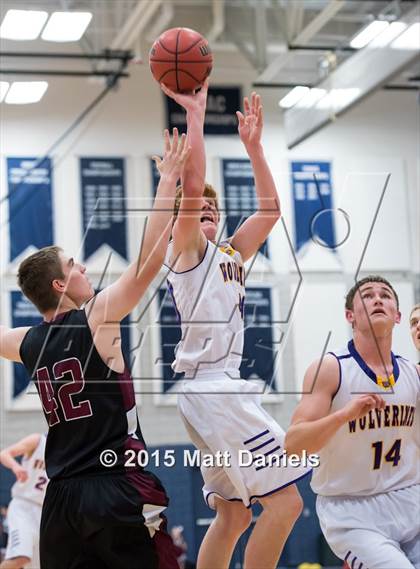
[369, 279]
[35, 276]
[209, 192]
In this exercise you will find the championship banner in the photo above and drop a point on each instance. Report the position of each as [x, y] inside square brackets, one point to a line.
[259, 355]
[30, 209]
[220, 119]
[103, 205]
[240, 198]
[24, 313]
[312, 195]
[155, 176]
[170, 335]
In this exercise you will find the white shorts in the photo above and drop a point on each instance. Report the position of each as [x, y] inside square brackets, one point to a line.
[224, 416]
[24, 518]
[374, 532]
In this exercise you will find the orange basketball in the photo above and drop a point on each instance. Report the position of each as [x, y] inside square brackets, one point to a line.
[181, 59]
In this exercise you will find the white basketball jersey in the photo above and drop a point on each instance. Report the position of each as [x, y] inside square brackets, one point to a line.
[209, 300]
[34, 488]
[379, 452]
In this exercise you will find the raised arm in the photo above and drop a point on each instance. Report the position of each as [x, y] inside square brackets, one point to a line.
[313, 425]
[255, 230]
[186, 232]
[24, 447]
[116, 301]
[10, 341]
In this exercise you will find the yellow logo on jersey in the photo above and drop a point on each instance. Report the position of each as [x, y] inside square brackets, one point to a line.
[228, 249]
[385, 383]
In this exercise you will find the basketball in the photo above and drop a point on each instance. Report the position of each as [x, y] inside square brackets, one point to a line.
[181, 59]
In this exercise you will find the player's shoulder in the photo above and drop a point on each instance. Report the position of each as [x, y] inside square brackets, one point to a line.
[324, 373]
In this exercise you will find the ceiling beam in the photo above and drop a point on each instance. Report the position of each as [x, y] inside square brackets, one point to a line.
[319, 22]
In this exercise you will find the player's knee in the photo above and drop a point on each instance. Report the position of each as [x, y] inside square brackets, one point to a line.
[15, 563]
[286, 505]
[234, 518]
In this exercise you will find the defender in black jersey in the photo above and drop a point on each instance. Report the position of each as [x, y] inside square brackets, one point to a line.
[95, 516]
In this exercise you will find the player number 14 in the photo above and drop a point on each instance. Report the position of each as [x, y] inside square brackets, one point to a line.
[393, 455]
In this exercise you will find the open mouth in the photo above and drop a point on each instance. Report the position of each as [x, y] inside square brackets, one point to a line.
[206, 217]
[379, 311]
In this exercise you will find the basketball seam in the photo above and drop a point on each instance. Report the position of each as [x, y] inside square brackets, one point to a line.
[184, 50]
[183, 71]
[183, 61]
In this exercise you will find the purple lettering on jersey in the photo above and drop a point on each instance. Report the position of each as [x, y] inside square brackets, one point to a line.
[42, 480]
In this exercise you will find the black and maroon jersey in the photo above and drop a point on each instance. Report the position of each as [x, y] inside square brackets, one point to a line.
[89, 407]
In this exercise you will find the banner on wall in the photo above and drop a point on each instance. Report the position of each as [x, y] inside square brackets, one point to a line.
[155, 176]
[30, 208]
[259, 354]
[103, 205]
[312, 198]
[240, 198]
[170, 335]
[24, 313]
[220, 119]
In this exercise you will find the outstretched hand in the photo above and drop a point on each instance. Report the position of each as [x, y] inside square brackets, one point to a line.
[175, 156]
[251, 122]
[192, 102]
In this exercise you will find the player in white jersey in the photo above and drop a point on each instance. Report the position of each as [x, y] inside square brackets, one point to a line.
[222, 412]
[28, 492]
[359, 412]
[415, 325]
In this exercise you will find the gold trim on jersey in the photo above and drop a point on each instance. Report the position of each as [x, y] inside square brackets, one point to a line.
[385, 383]
[228, 249]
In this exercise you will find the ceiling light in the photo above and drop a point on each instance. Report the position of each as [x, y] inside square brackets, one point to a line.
[66, 26]
[293, 96]
[25, 92]
[311, 98]
[368, 33]
[4, 86]
[22, 24]
[336, 99]
[410, 39]
[390, 33]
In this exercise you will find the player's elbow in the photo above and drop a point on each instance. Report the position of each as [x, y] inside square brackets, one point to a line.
[293, 443]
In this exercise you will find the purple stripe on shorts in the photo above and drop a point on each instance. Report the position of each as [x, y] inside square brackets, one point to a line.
[263, 444]
[256, 437]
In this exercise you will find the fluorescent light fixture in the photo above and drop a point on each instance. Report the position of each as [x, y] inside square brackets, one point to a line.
[311, 98]
[4, 87]
[410, 39]
[368, 33]
[293, 96]
[25, 92]
[22, 24]
[390, 33]
[66, 26]
[336, 99]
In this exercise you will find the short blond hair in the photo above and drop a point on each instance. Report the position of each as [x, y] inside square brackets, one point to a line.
[209, 192]
[415, 307]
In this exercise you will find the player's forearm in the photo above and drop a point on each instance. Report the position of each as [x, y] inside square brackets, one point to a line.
[312, 436]
[194, 175]
[159, 224]
[265, 188]
[7, 460]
